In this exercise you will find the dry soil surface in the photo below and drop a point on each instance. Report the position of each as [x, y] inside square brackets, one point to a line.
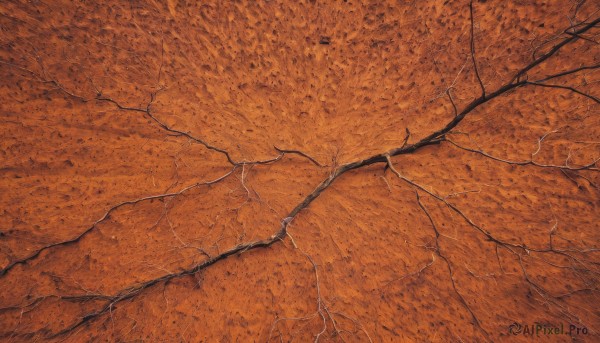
[299, 171]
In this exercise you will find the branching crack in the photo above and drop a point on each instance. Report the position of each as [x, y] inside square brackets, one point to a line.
[519, 80]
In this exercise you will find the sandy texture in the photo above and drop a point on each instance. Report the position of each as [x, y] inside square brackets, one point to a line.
[212, 172]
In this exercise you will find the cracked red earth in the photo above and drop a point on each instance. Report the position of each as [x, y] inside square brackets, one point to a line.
[204, 172]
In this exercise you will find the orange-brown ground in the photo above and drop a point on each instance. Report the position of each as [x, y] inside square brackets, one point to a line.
[364, 263]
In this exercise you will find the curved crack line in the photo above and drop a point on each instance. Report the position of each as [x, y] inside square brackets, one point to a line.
[105, 217]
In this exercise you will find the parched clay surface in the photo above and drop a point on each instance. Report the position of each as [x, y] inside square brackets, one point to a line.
[153, 153]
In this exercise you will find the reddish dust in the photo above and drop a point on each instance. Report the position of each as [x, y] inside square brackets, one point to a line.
[140, 140]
